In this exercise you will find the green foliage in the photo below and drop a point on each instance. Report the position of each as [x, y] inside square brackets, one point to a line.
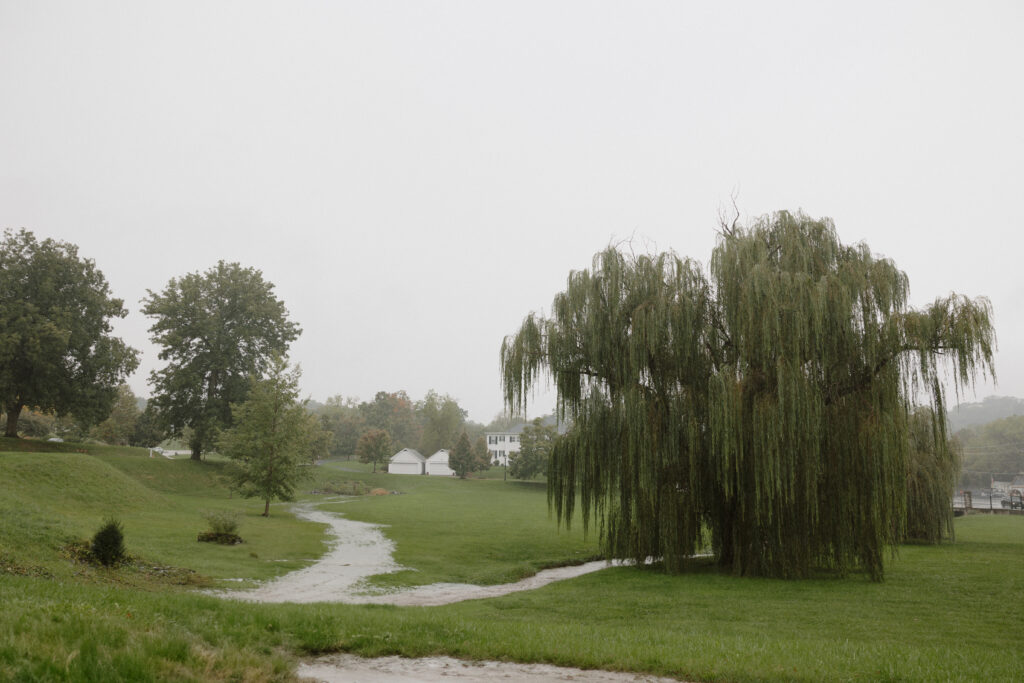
[107, 545]
[222, 521]
[535, 444]
[480, 451]
[374, 447]
[441, 419]
[933, 464]
[56, 348]
[464, 460]
[767, 402]
[274, 439]
[147, 431]
[119, 427]
[395, 414]
[218, 329]
[342, 418]
[141, 625]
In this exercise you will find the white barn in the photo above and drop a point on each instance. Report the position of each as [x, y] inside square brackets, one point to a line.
[407, 461]
[437, 464]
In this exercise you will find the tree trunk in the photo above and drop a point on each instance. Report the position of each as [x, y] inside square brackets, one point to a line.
[266, 508]
[13, 413]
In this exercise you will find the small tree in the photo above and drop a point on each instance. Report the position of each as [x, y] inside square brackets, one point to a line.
[107, 546]
[274, 440]
[374, 446]
[535, 447]
[480, 451]
[463, 460]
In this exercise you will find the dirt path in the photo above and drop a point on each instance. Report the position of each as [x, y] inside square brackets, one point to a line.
[348, 668]
[358, 551]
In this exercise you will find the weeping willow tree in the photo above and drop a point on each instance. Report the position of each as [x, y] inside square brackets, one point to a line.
[766, 401]
[933, 465]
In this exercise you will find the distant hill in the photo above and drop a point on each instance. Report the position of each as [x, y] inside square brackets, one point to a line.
[990, 409]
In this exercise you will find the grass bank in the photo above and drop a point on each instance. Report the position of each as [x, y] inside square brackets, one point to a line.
[943, 613]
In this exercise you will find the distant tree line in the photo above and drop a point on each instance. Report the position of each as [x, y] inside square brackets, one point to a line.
[992, 451]
[436, 421]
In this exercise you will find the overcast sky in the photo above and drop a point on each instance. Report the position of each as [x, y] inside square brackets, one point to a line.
[415, 177]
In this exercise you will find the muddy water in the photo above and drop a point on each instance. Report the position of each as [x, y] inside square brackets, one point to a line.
[348, 668]
[358, 551]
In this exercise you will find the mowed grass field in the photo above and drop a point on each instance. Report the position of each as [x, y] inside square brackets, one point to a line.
[943, 613]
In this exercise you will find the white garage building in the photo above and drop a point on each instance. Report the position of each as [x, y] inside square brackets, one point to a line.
[438, 464]
[408, 461]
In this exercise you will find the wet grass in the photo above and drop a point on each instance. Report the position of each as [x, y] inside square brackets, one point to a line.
[943, 613]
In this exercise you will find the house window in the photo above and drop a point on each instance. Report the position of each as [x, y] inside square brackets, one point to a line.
[492, 439]
[501, 438]
[513, 439]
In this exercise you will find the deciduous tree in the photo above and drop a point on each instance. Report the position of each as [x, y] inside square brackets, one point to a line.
[767, 402]
[342, 417]
[535, 444]
[274, 440]
[119, 427]
[57, 352]
[394, 412]
[218, 329]
[441, 419]
[374, 446]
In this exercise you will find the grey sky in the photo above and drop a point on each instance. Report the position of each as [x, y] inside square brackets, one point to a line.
[415, 177]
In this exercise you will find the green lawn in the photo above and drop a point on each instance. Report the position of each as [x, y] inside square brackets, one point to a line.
[943, 613]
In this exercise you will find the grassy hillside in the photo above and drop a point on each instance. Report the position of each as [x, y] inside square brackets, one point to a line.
[941, 614]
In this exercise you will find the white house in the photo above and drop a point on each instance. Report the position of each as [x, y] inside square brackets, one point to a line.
[503, 445]
[408, 461]
[438, 464]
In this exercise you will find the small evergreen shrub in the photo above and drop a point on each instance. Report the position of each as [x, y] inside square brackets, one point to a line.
[108, 544]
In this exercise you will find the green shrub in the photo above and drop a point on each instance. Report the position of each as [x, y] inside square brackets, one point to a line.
[223, 525]
[221, 521]
[108, 544]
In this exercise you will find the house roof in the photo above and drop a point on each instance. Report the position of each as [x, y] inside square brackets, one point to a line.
[441, 453]
[411, 453]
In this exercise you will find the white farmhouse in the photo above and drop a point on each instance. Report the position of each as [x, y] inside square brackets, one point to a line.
[504, 445]
[407, 461]
[437, 464]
